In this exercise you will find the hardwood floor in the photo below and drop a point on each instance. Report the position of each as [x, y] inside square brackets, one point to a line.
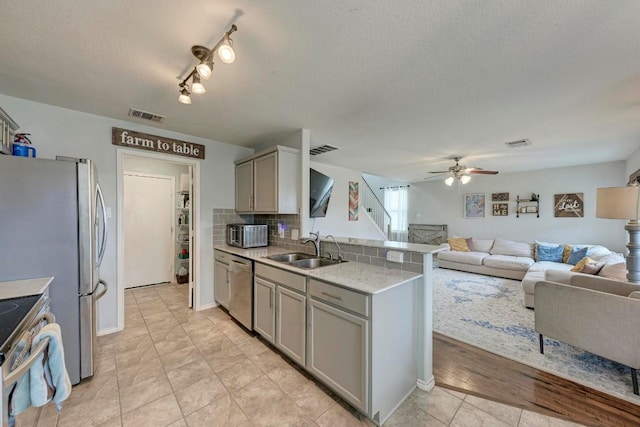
[468, 369]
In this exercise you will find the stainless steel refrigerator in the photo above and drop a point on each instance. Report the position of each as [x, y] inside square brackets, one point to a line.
[53, 223]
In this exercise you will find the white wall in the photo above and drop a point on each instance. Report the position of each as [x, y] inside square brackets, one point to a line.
[633, 162]
[434, 203]
[337, 220]
[60, 131]
[378, 183]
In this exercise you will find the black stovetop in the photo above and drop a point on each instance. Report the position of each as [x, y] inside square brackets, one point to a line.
[12, 312]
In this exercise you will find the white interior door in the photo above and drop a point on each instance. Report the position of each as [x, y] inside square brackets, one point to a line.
[148, 229]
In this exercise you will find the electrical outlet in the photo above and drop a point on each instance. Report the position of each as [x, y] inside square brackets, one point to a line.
[395, 256]
[294, 234]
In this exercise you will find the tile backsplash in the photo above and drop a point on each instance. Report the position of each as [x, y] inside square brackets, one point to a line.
[350, 252]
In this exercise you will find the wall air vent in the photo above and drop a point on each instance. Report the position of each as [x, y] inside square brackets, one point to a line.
[322, 149]
[518, 144]
[145, 115]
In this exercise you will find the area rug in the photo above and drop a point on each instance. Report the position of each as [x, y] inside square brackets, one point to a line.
[487, 312]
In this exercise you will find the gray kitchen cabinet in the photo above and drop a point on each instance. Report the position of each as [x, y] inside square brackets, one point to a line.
[264, 319]
[221, 278]
[269, 181]
[338, 344]
[291, 310]
[280, 310]
[363, 346]
[244, 187]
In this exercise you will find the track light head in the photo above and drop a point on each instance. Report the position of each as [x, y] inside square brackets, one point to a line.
[226, 52]
[197, 87]
[185, 96]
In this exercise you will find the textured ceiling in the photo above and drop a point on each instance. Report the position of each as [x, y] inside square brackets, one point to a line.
[397, 85]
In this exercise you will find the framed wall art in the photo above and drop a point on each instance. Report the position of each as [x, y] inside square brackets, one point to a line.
[500, 209]
[499, 197]
[568, 205]
[354, 200]
[474, 205]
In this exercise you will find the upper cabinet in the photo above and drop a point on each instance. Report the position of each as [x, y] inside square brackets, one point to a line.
[269, 181]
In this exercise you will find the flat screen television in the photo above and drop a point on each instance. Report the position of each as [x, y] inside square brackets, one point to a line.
[320, 186]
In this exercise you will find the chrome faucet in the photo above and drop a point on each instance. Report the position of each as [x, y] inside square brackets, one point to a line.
[315, 240]
[338, 246]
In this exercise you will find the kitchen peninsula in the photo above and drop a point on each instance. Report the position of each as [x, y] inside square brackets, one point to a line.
[364, 330]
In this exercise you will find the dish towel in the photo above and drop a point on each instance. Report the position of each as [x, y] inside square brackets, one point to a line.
[47, 380]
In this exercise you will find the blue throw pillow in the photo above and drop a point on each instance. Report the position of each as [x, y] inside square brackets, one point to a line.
[549, 253]
[576, 255]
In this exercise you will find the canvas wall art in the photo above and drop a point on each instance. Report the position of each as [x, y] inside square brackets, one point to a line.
[474, 205]
[568, 205]
[354, 200]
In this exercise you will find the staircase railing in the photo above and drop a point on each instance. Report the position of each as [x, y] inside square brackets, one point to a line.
[375, 209]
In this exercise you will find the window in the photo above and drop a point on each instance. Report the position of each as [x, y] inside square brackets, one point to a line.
[395, 202]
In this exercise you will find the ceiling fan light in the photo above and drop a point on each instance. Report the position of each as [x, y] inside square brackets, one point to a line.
[449, 181]
[184, 97]
[197, 87]
[465, 179]
[226, 52]
[204, 69]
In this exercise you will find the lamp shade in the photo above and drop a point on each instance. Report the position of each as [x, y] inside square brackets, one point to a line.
[617, 203]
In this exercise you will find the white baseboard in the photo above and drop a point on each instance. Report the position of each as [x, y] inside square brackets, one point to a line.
[207, 306]
[108, 331]
[426, 385]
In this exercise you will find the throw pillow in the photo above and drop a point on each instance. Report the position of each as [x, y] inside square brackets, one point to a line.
[549, 253]
[459, 244]
[577, 255]
[509, 247]
[469, 241]
[566, 253]
[614, 271]
[597, 252]
[482, 245]
[588, 266]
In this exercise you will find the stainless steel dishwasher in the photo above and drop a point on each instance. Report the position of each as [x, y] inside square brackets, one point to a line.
[241, 291]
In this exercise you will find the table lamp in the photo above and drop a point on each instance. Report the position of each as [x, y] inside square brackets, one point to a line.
[622, 203]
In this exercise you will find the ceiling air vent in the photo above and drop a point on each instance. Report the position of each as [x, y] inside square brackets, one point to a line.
[321, 149]
[518, 144]
[145, 115]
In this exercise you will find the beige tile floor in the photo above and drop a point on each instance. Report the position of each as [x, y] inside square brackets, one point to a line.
[175, 367]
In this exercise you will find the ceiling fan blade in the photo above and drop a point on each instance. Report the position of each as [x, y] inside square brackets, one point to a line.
[478, 171]
[440, 172]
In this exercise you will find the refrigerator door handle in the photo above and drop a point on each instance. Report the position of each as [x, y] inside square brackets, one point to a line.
[103, 242]
[104, 291]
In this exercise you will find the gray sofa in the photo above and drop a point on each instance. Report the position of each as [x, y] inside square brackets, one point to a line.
[592, 313]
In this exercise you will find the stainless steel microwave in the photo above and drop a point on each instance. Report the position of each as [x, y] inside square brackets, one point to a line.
[247, 235]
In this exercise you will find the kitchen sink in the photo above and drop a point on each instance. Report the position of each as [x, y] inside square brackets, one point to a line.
[314, 262]
[302, 260]
[291, 257]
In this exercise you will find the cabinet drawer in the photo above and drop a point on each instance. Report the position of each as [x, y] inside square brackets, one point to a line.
[350, 300]
[222, 256]
[282, 277]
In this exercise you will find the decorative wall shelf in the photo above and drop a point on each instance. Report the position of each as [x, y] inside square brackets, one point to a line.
[528, 206]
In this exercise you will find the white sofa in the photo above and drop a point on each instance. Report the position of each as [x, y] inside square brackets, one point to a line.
[515, 260]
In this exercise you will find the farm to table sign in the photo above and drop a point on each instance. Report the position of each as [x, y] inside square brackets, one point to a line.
[159, 144]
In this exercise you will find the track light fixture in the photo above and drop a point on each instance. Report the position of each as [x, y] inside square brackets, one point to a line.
[203, 70]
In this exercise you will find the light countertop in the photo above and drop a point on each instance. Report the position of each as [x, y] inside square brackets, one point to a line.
[388, 244]
[366, 278]
[22, 288]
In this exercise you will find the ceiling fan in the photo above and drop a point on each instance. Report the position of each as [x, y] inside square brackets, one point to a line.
[462, 173]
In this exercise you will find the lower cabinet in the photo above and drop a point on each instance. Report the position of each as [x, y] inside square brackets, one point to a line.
[291, 312]
[264, 319]
[221, 281]
[280, 311]
[339, 351]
